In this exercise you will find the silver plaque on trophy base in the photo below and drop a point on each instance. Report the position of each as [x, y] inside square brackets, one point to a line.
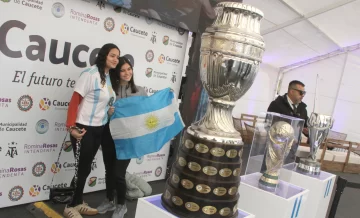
[319, 126]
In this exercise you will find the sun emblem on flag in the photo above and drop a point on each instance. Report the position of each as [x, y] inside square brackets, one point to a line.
[151, 122]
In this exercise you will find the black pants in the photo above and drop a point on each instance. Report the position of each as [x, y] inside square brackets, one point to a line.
[115, 170]
[89, 146]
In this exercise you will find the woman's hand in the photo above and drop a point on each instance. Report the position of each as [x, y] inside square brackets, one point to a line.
[111, 111]
[76, 134]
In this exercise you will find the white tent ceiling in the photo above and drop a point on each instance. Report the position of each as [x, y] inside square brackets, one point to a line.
[297, 30]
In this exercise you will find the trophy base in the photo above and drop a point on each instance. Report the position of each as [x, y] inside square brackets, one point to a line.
[309, 166]
[268, 182]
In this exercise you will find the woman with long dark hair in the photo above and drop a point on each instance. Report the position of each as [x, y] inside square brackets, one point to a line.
[122, 81]
[88, 111]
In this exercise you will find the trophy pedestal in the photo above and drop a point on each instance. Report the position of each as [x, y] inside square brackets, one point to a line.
[320, 189]
[151, 207]
[309, 166]
[287, 200]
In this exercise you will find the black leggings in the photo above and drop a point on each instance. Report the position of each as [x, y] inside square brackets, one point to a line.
[89, 146]
[115, 170]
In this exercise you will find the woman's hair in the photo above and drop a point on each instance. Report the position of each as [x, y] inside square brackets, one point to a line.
[101, 60]
[115, 76]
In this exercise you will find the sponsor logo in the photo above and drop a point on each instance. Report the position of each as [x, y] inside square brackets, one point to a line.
[166, 40]
[158, 171]
[84, 17]
[173, 77]
[155, 157]
[12, 172]
[68, 166]
[34, 190]
[133, 30]
[130, 13]
[60, 127]
[153, 37]
[42, 126]
[44, 104]
[165, 25]
[55, 167]
[149, 56]
[39, 169]
[181, 31]
[12, 151]
[39, 148]
[143, 174]
[161, 59]
[92, 181]
[101, 181]
[160, 75]
[124, 28]
[140, 160]
[16, 193]
[67, 146]
[150, 90]
[47, 187]
[35, 4]
[25, 103]
[13, 127]
[71, 53]
[109, 24]
[58, 10]
[148, 72]
[4, 102]
[6, 1]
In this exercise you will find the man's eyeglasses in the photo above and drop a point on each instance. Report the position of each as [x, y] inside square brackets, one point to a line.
[300, 91]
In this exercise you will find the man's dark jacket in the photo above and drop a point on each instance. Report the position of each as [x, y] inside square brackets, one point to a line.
[281, 105]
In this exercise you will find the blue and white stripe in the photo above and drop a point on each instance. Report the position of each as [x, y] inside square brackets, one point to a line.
[296, 207]
[327, 189]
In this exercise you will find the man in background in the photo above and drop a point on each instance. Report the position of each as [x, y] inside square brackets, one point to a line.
[291, 103]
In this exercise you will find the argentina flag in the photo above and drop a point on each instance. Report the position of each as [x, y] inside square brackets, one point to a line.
[142, 125]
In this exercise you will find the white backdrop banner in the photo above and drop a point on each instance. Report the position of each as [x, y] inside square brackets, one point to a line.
[44, 46]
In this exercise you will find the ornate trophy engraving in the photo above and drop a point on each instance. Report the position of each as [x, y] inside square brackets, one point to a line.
[319, 126]
[281, 138]
[205, 178]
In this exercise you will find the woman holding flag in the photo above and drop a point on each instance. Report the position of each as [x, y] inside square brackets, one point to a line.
[123, 84]
[87, 116]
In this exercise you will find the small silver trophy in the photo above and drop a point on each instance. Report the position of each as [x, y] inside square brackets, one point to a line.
[319, 126]
[281, 138]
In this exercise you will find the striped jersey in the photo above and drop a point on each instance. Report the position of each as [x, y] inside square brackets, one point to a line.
[94, 106]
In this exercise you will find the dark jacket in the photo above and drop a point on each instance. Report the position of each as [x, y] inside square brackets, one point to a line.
[281, 105]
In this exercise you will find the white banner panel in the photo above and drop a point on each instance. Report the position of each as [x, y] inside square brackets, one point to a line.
[44, 46]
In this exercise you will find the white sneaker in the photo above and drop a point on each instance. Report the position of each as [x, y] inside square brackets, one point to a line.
[106, 206]
[120, 211]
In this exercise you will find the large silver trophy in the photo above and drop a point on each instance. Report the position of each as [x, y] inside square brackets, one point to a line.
[281, 138]
[319, 126]
[205, 178]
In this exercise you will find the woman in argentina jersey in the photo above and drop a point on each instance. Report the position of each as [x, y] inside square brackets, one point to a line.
[88, 110]
[123, 84]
